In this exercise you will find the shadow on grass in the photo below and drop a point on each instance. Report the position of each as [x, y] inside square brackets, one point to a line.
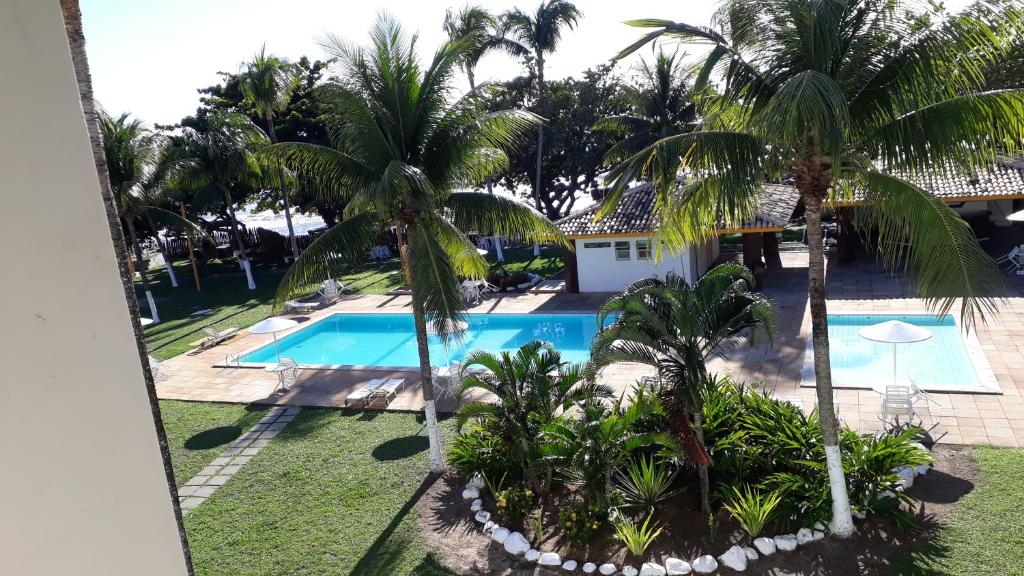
[400, 448]
[385, 552]
[213, 437]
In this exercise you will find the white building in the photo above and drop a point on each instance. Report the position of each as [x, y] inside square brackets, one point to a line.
[616, 250]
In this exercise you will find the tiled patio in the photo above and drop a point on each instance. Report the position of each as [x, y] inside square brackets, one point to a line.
[861, 287]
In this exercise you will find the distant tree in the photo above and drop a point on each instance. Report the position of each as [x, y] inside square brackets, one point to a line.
[538, 34]
[574, 160]
[139, 165]
[661, 105]
[267, 85]
[221, 162]
[476, 26]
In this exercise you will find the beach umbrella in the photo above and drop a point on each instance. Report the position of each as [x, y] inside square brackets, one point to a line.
[1016, 216]
[273, 325]
[895, 332]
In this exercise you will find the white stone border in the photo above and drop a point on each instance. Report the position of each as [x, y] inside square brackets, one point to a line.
[987, 382]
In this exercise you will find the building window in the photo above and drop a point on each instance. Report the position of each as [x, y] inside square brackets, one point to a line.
[622, 250]
[643, 249]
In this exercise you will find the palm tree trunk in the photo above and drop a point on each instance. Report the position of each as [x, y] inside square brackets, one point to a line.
[163, 253]
[702, 468]
[191, 253]
[269, 117]
[420, 321]
[142, 271]
[842, 518]
[540, 130]
[243, 258]
[76, 42]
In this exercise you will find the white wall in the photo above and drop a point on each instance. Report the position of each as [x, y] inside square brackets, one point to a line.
[82, 485]
[599, 271]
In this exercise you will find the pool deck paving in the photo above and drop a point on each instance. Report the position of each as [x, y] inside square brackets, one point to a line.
[861, 287]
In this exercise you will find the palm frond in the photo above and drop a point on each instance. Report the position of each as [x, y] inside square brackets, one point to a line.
[493, 214]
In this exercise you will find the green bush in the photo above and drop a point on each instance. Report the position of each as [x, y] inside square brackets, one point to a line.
[478, 451]
[580, 520]
[752, 509]
[636, 538]
[513, 504]
[646, 482]
[758, 440]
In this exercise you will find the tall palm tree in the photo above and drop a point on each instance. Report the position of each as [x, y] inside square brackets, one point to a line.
[663, 106]
[851, 98]
[676, 328]
[532, 386]
[267, 85]
[76, 43]
[476, 26]
[139, 166]
[400, 150]
[538, 34]
[220, 159]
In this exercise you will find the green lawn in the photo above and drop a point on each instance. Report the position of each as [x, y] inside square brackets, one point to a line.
[224, 292]
[333, 494]
[984, 537]
[197, 432]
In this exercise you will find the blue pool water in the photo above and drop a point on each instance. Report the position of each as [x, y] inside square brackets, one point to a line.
[939, 363]
[389, 339]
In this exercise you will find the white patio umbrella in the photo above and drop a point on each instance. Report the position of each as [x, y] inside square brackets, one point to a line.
[1016, 216]
[895, 332]
[273, 326]
[482, 251]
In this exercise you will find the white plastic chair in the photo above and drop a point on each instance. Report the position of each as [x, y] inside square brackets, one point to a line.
[1011, 259]
[287, 373]
[470, 292]
[898, 401]
[330, 291]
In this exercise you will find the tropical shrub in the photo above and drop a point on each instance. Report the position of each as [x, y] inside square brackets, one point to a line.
[646, 482]
[637, 538]
[589, 449]
[514, 504]
[478, 451]
[580, 520]
[752, 509]
[532, 385]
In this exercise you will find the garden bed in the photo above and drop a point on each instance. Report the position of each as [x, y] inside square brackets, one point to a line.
[447, 524]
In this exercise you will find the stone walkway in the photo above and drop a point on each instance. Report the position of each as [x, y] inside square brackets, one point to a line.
[218, 472]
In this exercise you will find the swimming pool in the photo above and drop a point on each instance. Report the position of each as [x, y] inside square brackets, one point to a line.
[949, 361]
[389, 339]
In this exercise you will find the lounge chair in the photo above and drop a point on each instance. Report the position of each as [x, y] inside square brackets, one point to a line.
[296, 306]
[363, 394]
[214, 337]
[388, 390]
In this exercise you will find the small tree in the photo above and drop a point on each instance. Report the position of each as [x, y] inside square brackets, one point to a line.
[675, 328]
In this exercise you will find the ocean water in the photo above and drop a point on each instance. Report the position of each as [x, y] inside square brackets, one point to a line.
[389, 339]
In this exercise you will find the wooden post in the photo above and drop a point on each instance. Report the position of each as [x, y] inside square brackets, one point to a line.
[572, 278]
[191, 254]
[752, 257]
[772, 259]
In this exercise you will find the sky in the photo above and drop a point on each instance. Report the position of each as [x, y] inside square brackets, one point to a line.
[148, 57]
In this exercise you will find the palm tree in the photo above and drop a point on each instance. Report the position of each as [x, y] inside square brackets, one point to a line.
[532, 386]
[850, 98]
[662, 105]
[476, 26]
[400, 150]
[220, 159]
[139, 166]
[267, 85]
[675, 328]
[538, 34]
[76, 43]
